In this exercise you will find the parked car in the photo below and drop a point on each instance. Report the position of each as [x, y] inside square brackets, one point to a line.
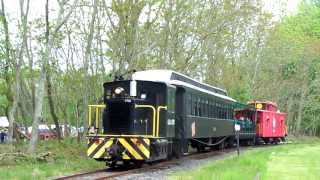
[46, 134]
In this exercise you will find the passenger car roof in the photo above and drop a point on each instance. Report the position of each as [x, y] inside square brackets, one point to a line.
[175, 78]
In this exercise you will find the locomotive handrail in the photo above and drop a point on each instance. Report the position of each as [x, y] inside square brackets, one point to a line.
[158, 117]
[121, 135]
[153, 115]
[97, 107]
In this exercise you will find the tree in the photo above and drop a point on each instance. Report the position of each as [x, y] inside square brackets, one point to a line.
[290, 57]
[13, 92]
[39, 87]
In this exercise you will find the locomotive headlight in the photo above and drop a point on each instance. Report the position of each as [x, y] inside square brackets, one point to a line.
[143, 96]
[118, 90]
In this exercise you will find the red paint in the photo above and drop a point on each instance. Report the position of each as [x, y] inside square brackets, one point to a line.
[138, 142]
[270, 121]
[97, 141]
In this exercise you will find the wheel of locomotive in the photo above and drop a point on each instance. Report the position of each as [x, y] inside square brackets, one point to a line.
[176, 149]
[137, 164]
[126, 164]
[111, 164]
[170, 151]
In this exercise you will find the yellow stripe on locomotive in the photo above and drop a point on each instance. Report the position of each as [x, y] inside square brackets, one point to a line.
[120, 147]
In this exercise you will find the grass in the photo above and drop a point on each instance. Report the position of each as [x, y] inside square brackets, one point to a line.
[299, 160]
[65, 157]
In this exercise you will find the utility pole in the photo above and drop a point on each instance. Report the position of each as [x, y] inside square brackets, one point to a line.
[237, 130]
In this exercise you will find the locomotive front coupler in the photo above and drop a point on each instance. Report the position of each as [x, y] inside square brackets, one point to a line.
[114, 151]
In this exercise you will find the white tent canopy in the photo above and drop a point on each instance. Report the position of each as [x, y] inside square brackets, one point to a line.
[4, 121]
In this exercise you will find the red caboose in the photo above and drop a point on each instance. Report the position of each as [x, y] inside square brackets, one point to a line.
[270, 122]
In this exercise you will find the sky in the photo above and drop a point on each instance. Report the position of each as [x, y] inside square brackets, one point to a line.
[37, 7]
[275, 6]
[293, 5]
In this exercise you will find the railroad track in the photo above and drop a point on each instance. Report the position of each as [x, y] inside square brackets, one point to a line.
[110, 173]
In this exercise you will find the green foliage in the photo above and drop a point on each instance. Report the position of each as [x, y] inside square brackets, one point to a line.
[240, 93]
[290, 68]
[3, 99]
[3, 104]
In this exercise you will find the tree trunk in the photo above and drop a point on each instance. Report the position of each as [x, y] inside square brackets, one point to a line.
[87, 58]
[304, 90]
[51, 105]
[10, 90]
[39, 91]
[290, 113]
[77, 119]
[11, 120]
[47, 75]
[66, 131]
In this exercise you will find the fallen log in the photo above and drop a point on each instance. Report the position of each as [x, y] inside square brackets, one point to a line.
[13, 155]
[46, 156]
